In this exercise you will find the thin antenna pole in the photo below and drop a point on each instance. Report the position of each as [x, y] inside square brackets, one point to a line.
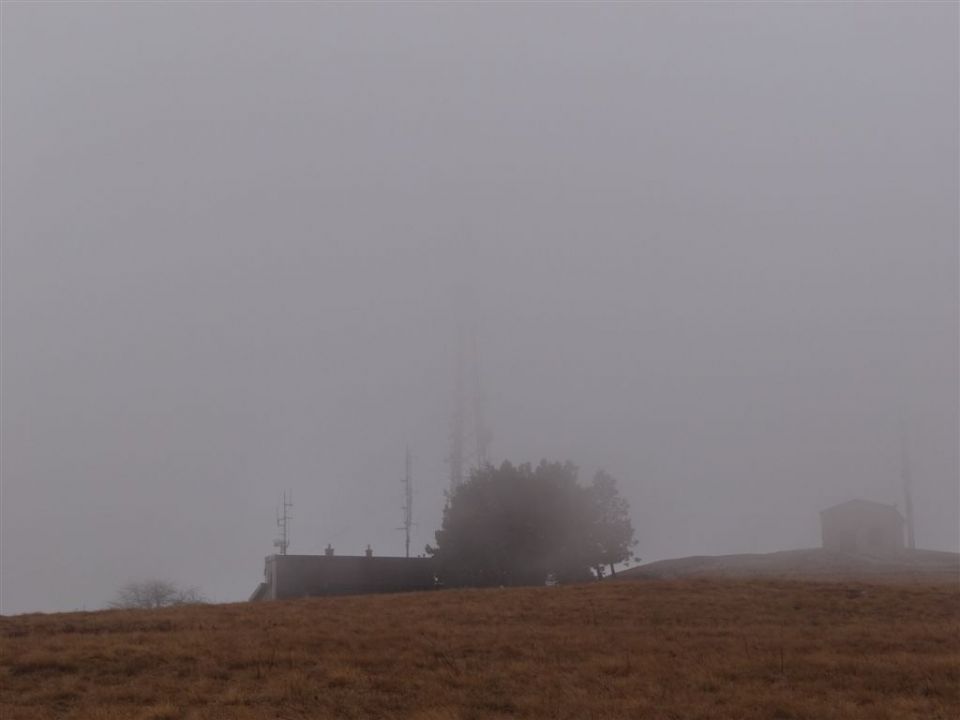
[456, 432]
[408, 500]
[907, 480]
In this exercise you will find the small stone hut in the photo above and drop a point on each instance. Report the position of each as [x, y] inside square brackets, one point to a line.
[863, 527]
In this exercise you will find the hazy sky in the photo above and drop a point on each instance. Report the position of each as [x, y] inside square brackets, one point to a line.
[712, 248]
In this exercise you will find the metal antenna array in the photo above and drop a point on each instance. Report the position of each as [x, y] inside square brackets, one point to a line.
[407, 501]
[283, 522]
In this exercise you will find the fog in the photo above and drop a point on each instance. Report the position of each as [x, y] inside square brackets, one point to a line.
[710, 248]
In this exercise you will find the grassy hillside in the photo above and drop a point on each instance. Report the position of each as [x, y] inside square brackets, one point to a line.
[812, 564]
[665, 649]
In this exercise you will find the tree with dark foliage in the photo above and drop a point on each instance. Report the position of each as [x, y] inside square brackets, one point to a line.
[612, 532]
[520, 525]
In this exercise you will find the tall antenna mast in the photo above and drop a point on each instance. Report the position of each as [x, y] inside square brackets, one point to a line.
[476, 437]
[456, 432]
[283, 522]
[482, 436]
[907, 480]
[407, 501]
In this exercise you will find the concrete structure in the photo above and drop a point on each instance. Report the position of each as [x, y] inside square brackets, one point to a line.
[291, 576]
[863, 527]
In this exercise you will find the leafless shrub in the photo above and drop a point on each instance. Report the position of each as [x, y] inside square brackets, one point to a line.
[149, 594]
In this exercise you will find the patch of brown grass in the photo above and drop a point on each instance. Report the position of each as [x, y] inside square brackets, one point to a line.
[683, 649]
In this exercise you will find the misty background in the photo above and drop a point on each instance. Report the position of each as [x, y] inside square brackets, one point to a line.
[711, 248]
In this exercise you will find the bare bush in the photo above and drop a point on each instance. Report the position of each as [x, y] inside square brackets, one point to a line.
[155, 594]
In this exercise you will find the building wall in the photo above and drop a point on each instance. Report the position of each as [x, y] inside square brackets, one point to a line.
[863, 528]
[838, 536]
[289, 576]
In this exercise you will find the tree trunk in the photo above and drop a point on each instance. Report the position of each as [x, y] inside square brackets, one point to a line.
[613, 572]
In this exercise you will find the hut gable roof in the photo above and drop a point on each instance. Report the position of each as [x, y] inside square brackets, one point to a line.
[861, 507]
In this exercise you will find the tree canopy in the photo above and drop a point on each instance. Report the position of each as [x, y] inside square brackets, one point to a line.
[611, 530]
[520, 525]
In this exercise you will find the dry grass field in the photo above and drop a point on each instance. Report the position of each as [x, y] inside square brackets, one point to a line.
[665, 649]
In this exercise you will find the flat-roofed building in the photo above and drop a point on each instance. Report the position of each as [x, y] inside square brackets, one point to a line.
[291, 576]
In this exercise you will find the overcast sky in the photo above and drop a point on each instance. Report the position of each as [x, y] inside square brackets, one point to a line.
[711, 248]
